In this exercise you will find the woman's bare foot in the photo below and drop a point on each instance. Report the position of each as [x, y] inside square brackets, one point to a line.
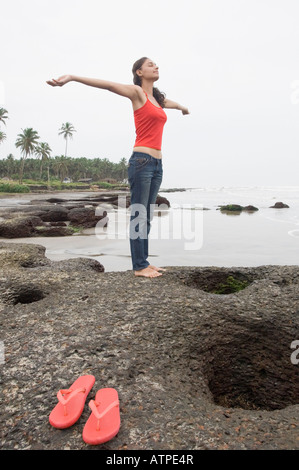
[155, 268]
[147, 272]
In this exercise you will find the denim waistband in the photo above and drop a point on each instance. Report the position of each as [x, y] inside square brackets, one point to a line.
[147, 155]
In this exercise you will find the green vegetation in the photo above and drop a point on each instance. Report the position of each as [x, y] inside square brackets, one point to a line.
[2, 136]
[45, 169]
[75, 229]
[13, 188]
[3, 117]
[230, 286]
[55, 185]
[56, 169]
[27, 143]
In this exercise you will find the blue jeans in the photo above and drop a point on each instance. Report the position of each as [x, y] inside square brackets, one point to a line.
[145, 176]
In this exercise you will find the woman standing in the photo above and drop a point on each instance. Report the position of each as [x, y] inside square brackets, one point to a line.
[145, 164]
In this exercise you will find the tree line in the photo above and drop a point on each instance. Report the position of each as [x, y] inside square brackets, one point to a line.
[40, 165]
[60, 167]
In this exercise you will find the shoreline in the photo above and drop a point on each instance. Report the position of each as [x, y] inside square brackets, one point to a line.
[266, 236]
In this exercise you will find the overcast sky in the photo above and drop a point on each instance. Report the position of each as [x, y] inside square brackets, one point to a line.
[233, 63]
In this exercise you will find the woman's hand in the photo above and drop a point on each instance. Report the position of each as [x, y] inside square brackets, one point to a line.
[60, 81]
[185, 111]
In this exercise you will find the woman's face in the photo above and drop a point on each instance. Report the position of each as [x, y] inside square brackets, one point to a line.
[149, 70]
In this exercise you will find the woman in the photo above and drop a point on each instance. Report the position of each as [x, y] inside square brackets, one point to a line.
[145, 165]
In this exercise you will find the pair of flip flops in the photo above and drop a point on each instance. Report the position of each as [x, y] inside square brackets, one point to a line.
[104, 422]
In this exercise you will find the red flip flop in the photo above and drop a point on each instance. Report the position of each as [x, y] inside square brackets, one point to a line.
[71, 402]
[104, 422]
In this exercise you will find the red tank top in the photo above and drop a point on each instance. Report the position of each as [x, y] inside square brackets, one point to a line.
[149, 124]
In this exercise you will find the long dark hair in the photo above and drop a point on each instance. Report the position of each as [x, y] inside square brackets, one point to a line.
[158, 95]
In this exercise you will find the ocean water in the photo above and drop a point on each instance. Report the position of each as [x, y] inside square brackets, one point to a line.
[267, 236]
[193, 232]
[261, 197]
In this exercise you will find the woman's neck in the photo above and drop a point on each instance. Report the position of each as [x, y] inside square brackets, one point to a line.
[148, 87]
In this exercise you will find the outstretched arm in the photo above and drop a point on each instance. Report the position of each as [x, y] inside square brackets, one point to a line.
[129, 91]
[173, 105]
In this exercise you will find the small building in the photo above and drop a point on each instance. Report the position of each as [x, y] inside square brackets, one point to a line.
[85, 180]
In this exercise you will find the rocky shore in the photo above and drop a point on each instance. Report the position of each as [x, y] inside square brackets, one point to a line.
[65, 216]
[200, 357]
[52, 217]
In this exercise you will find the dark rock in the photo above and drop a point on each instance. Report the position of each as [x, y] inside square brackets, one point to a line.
[58, 224]
[250, 208]
[159, 200]
[28, 209]
[173, 190]
[279, 205]
[55, 214]
[194, 369]
[17, 255]
[79, 265]
[119, 200]
[53, 231]
[20, 292]
[19, 227]
[162, 200]
[231, 208]
[236, 208]
[116, 200]
[85, 217]
[55, 200]
[21, 221]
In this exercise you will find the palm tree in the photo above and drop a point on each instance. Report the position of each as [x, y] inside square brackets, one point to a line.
[43, 152]
[27, 142]
[123, 167]
[61, 167]
[67, 130]
[106, 168]
[2, 136]
[78, 169]
[3, 115]
[10, 164]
